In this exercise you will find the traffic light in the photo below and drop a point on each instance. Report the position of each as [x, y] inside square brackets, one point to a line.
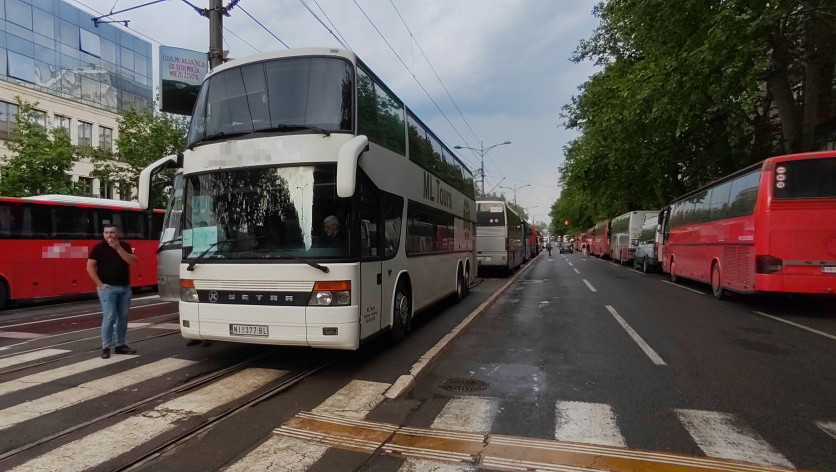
[566, 223]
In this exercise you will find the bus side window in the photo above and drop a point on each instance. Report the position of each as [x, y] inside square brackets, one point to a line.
[392, 215]
[368, 220]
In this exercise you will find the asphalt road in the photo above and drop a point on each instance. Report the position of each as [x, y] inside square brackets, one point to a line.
[573, 362]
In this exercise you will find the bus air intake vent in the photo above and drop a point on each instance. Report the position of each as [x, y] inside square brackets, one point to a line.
[463, 385]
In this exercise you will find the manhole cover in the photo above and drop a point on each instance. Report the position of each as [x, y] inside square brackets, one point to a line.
[463, 385]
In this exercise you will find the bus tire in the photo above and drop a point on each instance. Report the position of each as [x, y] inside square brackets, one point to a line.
[401, 313]
[4, 293]
[717, 283]
[460, 284]
[674, 277]
[467, 281]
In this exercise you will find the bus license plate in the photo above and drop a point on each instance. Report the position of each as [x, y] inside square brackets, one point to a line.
[829, 269]
[247, 330]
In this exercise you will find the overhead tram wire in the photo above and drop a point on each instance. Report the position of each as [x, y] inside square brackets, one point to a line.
[265, 28]
[340, 39]
[433, 69]
[410, 72]
[241, 39]
[331, 23]
[127, 27]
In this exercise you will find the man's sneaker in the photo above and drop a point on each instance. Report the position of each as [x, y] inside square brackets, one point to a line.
[106, 353]
[124, 349]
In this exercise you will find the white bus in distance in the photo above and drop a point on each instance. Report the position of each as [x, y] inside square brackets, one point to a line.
[317, 209]
[625, 231]
[499, 236]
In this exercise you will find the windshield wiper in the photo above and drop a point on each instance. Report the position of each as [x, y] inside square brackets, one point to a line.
[170, 242]
[211, 246]
[290, 127]
[291, 256]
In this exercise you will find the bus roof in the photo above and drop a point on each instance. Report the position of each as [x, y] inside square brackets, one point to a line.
[72, 200]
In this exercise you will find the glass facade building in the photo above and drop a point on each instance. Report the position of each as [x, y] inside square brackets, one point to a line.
[54, 47]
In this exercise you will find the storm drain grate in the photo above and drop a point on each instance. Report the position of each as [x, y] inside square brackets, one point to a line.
[463, 385]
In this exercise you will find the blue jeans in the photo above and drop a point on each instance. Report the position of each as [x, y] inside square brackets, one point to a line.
[115, 303]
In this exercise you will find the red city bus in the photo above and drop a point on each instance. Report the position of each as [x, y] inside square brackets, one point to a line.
[45, 242]
[534, 240]
[770, 227]
[581, 242]
[600, 239]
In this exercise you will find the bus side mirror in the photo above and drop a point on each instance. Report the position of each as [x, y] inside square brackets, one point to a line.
[347, 158]
[147, 175]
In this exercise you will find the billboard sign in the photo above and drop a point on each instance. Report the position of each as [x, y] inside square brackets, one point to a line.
[181, 73]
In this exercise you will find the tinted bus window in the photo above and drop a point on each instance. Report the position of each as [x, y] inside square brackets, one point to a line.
[74, 223]
[490, 214]
[744, 193]
[806, 178]
[719, 205]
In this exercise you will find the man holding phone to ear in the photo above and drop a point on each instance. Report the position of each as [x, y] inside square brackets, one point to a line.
[109, 266]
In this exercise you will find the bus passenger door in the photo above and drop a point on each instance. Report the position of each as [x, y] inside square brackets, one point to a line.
[371, 273]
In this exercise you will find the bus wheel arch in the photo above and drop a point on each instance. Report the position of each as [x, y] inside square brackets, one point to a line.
[467, 278]
[401, 310]
[717, 289]
[672, 269]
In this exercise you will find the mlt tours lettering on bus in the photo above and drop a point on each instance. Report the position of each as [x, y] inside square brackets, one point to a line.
[441, 195]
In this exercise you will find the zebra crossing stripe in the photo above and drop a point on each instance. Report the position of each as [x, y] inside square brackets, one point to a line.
[30, 356]
[472, 414]
[423, 465]
[293, 448]
[584, 422]
[128, 434]
[828, 427]
[86, 391]
[40, 378]
[721, 435]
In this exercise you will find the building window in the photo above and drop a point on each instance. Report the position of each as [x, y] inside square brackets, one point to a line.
[106, 191]
[105, 139]
[39, 118]
[86, 185]
[8, 112]
[124, 192]
[85, 133]
[61, 122]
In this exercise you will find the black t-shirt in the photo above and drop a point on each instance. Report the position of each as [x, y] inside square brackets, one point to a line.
[111, 268]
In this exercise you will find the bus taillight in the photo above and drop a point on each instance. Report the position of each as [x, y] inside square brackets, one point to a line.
[767, 264]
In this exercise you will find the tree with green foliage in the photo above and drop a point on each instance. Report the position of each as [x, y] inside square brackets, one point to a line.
[690, 91]
[41, 157]
[144, 137]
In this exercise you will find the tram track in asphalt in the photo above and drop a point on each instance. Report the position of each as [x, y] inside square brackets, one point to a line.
[280, 385]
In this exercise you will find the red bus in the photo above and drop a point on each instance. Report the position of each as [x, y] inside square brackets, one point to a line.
[770, 227]
[45, 241]
[599, 236]
[534, 240]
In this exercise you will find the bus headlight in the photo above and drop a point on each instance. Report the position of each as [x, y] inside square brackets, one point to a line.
[187, 291]
[331, 293]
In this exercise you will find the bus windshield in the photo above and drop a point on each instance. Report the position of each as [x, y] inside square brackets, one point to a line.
[282, 95]
[806, 178]
[266, 213]
[490, 214]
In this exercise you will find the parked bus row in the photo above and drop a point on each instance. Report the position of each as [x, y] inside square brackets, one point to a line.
[504, 240]
[770, 227]
[45, 242]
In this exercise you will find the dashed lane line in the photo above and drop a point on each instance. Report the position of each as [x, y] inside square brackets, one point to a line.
[638, 339]
[589, 285]
[576, 271]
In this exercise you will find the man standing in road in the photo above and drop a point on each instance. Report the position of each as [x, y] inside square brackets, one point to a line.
[109, 266]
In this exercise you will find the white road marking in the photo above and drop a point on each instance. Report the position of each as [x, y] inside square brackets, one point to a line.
[638, 339]
[591, 423]
[50, 320]
[30, 356]
[286, 454]
[576, 271]
[424, 465]
[20, 335]
[15, 385]
[570, 264]
[543, 304]
[721, 435]
[806, 328]
[682, 286]
[589, 285]
[86, 391]
[128, 434]
[828, 427]
[468, 414]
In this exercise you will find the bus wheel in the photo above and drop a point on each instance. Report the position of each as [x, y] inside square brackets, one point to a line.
[466, 281]
[673, 272]
[400, 314]
[460, 283]
[4, 293]
[717, 283]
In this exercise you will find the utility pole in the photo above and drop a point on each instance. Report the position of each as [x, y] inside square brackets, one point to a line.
[482, 150]
[216, 42]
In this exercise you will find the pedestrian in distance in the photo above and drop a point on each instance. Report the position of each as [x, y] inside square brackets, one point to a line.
[549, 247]
[109, 266]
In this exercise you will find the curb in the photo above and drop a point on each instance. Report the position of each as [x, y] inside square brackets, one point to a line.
[405, 382]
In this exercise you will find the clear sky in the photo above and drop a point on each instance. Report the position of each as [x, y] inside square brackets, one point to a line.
[505, 63]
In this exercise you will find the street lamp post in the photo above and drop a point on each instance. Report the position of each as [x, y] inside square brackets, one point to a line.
[482, 151]
[515, 188]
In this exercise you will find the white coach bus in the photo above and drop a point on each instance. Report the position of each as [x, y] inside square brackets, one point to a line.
[317, 209]
[500, 235]
[625, 231]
